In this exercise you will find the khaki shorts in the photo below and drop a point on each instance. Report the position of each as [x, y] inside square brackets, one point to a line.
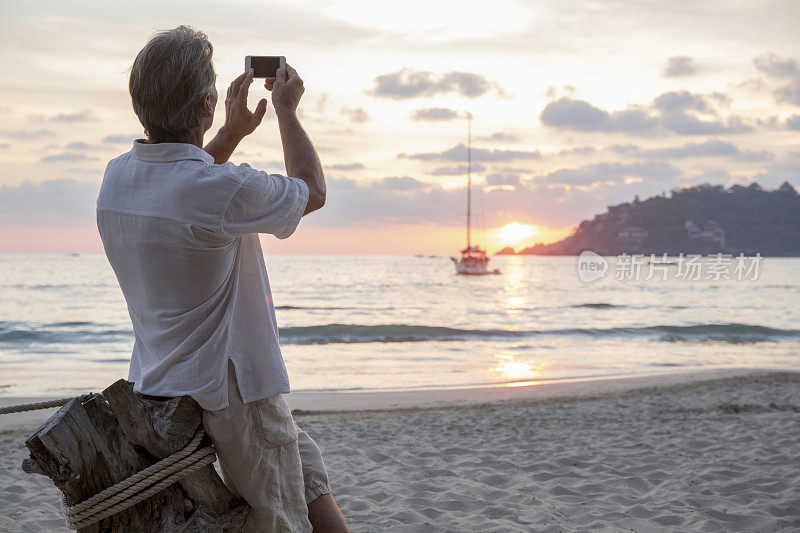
[267, 459]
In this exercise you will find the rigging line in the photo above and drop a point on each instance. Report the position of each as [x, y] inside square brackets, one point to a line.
[469, 178]
[483, 222]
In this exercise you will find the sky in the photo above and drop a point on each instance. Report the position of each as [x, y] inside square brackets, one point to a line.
[576, 106]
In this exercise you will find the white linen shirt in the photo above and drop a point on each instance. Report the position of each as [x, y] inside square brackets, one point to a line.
[181, 234]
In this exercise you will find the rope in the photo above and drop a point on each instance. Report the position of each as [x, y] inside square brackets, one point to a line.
[130, 502]
[134, 489]
[137, 487]
[34, 406]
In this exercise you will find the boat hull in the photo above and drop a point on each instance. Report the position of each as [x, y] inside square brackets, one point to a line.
[473, 268]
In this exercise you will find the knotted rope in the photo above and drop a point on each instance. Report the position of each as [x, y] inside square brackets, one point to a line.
[141, 485]
[134, 489]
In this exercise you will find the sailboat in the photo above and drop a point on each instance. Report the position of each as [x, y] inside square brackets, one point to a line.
[474, 261]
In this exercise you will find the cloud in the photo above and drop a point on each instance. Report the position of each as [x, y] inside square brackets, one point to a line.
[575, 114]
[788, 94]
[499, 137]
[772, 122]
[500, 178]
[625, 149]
[78, 145]
[793, 123]
[710, 175]
[67, 157]
[407, 83]
[686, 124]
[24, 135]
[121, 139]
[755, 85]
[682, 101]
[786, 168]
[580, 115]
[783, 69]
[578, 150]
[678, 112]
[459, 153]
[679, 67]
[456, 170]
[553, 92]
[76, 116]
[393, 200]
[560, 197]
[434, 114]
[773, 66]
[346, 166]
[3, 146]
[686, 113]
[355, 114]
[403, 183]
[615, 173]
[50, 202]
[710, 148]
[324, 108]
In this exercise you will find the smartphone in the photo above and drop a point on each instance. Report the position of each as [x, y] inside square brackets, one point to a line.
[264, 66]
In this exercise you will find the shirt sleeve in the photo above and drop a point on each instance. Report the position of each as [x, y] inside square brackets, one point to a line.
[266, 203]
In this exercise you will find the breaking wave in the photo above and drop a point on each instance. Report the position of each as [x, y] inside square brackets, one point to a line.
[21, 334]
[355, 333]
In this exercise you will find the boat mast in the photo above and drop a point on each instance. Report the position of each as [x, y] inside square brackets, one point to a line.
[469, 177]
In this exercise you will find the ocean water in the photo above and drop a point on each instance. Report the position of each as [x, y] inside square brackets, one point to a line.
[387, 322]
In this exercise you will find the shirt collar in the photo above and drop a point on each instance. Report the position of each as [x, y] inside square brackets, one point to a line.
[168, 152]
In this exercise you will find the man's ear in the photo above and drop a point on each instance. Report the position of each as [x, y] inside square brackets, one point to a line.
[208, 105]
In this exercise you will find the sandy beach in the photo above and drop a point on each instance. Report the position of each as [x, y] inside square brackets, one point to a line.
[714, 451]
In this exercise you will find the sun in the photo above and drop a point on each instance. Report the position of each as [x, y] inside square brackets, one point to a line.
[514, 232]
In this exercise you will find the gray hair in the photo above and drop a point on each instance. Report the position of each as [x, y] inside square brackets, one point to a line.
[169, 79]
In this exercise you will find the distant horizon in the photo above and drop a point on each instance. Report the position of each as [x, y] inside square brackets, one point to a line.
[274, 246]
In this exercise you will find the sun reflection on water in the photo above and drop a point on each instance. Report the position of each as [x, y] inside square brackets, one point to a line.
[512, 369]
[514, 305]
[521, 383]
[513, 285]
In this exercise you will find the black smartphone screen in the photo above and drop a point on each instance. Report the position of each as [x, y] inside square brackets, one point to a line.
[265, 66]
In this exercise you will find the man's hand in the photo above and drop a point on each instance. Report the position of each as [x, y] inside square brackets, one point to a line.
[239, 121]
[287, 89]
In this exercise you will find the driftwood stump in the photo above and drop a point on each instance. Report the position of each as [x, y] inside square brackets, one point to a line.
[89, 445]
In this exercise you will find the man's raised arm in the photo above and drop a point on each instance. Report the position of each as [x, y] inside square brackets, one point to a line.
[299, 154]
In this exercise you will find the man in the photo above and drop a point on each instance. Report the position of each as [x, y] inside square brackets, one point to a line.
[179, 225]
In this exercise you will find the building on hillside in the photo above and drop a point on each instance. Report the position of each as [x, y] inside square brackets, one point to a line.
[632, 237]
[710, 233]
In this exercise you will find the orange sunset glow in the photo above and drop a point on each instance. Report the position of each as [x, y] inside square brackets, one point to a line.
[514, 233]
[553, 140]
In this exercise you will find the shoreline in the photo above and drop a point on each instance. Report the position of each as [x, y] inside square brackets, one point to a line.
[531, 391]
[699, 451]
[323, 402]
